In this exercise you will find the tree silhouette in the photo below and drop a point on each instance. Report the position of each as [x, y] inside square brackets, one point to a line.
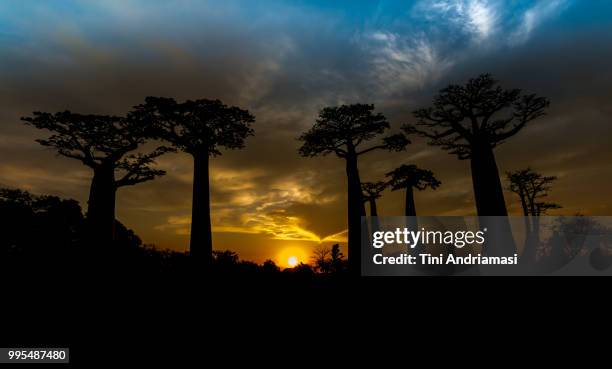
[321, 259]
[200, 128]
[470, 121]
[270, 267]
[328, 260]
[518, 184]
[301, 271]
[541, 208]
[370, 192]
[409, 177]
[531, 187]
[48, 236]
[103, 143]
[342, 130]
[33, 225]
[337, 259]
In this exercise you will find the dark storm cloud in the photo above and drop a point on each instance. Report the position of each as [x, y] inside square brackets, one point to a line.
[284, 61]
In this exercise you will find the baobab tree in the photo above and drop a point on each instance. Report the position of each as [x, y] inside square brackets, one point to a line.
[470, 121]
[409, 177]
[343, 130]
[200, 128]
[371, 191]
[105, 144]
[531, 187]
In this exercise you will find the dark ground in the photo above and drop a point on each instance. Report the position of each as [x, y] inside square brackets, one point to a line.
[133, 304]
[146, 318]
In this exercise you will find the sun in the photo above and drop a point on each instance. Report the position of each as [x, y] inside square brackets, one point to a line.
[292, 261]
[291, 256]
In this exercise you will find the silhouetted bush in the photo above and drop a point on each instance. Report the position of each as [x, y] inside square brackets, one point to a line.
[301, 270]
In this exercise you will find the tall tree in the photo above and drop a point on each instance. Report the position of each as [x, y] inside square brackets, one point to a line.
[105, 144]
[371, 192]
[470, 121]
[409, 177]
[342, 130]
[531, 187]
[200, 128]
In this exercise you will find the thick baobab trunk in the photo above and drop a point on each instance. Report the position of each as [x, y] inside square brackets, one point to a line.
[356, 210]
[373, 211]
[374, 223]
[488, 191]
[410, 208]
[101, 206]
[200, 246]
[490, 201]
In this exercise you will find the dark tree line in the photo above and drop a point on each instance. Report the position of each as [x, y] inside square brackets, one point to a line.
[48, 236]
[40, 225]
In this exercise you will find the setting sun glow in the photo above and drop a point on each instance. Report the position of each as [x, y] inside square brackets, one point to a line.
[292, 261]
[292, 256]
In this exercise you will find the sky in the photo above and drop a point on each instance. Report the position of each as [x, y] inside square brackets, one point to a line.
[284, 61]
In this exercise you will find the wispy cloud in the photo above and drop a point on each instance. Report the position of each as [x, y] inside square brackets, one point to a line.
[477, 17]
[534, 16]
[405, 58]
[246, 208]
[495, 20]
[403, 63]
